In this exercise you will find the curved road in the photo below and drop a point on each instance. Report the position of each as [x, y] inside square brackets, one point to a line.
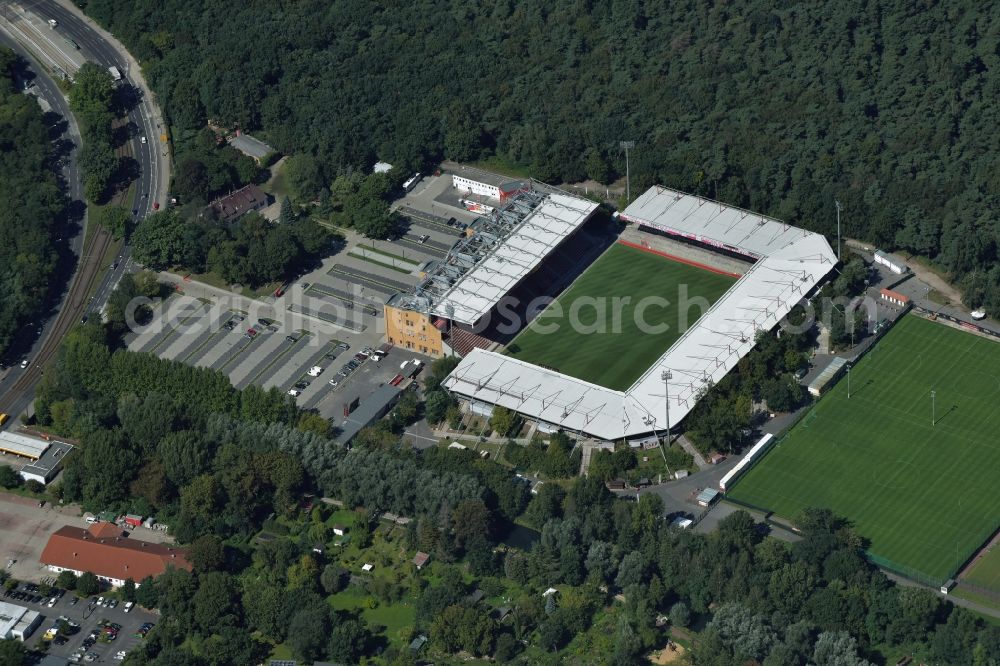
[18, 388]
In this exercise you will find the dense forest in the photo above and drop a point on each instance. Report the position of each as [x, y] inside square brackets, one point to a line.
[31, 203]
[883, 105]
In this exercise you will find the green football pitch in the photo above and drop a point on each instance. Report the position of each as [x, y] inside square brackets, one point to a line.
[923, 494]
[613, 350]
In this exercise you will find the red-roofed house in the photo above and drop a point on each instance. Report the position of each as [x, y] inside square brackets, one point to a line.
[108, 553]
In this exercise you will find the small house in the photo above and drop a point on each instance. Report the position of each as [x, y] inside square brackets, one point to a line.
[615, 484]
[417, 643]
[367, 568]
[549, 592]
[339, 530]
[420, 559]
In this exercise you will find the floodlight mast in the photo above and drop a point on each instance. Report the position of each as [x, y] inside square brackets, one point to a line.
[837, 204]
[627, 145]
[666, 376]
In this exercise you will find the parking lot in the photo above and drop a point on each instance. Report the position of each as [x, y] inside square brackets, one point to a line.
[90, 616]
[320, 365]
[324, 319]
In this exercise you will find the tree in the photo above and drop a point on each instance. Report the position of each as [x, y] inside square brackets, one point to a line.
[503, 421]
[304, 574]
[308, 631]
[837, 649]
[66, 580]
[12, 652]
[461, 628]
[680, 616]
[631, 570]
[9, 478]
[129, 590]
[436, 406]
[191, 180]
[147, 594]
[304, 177]
[87, 585]
[333, 579]
[216, 603]
[115, 219]
[207, 553]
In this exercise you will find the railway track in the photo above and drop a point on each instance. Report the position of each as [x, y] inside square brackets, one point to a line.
[92, 260]
[71, 312]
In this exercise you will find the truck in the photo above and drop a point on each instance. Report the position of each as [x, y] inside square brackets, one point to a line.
[412, 182]
[115, 74]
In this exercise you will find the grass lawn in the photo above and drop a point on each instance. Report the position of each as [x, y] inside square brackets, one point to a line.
[607, 346]
[986, 572]
[924, 495]
[396, 618]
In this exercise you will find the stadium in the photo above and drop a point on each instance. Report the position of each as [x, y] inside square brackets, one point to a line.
[482, 302]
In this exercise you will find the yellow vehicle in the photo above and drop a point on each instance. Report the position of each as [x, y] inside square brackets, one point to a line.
[3, 419]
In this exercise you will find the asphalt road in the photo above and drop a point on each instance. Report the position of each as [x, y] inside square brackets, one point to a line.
[18, 386]
[151, 156]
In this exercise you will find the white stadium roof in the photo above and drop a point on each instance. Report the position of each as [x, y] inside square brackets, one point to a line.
[791, 262]
[480, 289]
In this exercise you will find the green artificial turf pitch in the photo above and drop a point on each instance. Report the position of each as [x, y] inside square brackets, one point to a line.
[604, 353]
[924, 495]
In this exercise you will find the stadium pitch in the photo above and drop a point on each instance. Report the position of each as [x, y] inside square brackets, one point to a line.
[609, 350]
[923, 494]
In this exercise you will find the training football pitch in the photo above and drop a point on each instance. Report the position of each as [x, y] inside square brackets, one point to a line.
[608, 349]
[925, 495]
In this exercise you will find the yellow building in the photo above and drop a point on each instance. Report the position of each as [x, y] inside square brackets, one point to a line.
[409, 329]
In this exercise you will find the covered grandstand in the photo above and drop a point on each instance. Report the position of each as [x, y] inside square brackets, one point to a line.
[501, 250]
[789, 263]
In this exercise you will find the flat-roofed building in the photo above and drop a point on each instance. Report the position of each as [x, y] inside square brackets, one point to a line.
[45, 457]
[17, 622]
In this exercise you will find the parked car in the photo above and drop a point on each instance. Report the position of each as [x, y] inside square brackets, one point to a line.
[113, 604]
[344, 346]
[301, 385]
[292, 338]
[294, 392]
[250, 334]
[128, 606]
[334, 382]
[315, 371]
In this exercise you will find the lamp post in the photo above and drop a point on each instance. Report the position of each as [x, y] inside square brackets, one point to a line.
[848, 381]
[933, 416]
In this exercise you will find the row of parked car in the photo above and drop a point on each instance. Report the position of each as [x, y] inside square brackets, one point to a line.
[28, 593]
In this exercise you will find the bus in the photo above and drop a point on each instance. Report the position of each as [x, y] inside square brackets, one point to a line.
[412, 182]
[3, 419]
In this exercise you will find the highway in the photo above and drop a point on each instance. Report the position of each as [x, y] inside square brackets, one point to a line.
[17, 386]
